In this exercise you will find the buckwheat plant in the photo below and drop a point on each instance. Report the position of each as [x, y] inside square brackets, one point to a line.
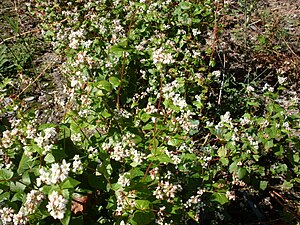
[142, 139]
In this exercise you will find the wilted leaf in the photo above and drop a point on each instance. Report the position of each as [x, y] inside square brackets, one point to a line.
[79, 204]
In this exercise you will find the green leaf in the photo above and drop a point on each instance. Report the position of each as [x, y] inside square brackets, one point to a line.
[219, 197]
[242, 172]
[67, 217]
[162, 158]
[263, 185]
[19, 196]
[256, 157]
[97, 182]
[142, 217]
[287, 185]
[115, 81]
[222, 152]
[212, 63]
[46, 125]
[104, 85]
[17, 187]
[4, 197]
[174, 141]
[185, 5]
[142, 204]
[26, 178]
[116, 186]
[233, 167]
[104, 168]
[269, 144]
[148, 126]
[256, 104]
[69, 183]
[118, 49]
[77, 220]
[145, 117]
[296, 157]
[192, 214]
[49, 158]
[224, 161]
[6, 174]
[136, 172]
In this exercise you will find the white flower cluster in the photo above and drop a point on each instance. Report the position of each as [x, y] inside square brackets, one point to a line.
[56, 174]
[231, 195]
[153, 173]
[93, 153]
[74, 38]
[268, 88]
[165, 189]
[173, 156]
[195, 199]
[196, 204]
[123, 180]
[30, 131]
[125, 201]
[33, 200]
[75, 137]
[160, 216]
[57, 205]
[150, 109]
[159, 56]
[47, 140]
[20, 218]
[121, 113]
[124, 149]
[225, 121]
[245, 121]
[82, 58]
[281, 80]
[77, 164]
[8, 137]
[169, 92]
[250, 89]
[253, 143]
[120, 152]
[185, 121]
[8, 217]
[236, 181]
[137, 157]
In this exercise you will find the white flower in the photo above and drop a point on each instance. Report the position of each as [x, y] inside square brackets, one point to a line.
[216, 73]
[33, 200]
[153, 173]
[76, 137]
[6, 215]
[250, 89]
[77, 164]
[226, 118]
[281, 80]
[56, 174]
[39, 140]
[230, 195]
[20, 218]
[286, 125]
[166, 189]
[74, 44]
[160, 57]
[124, 181]
[56, 205]
[50, 133]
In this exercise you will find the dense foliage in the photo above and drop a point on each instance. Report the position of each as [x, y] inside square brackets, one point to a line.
[149, 134]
